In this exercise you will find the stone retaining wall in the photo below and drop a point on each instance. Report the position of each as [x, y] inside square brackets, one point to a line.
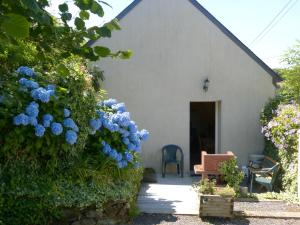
[112, 213]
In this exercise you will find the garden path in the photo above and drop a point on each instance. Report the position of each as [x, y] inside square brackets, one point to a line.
[170, 195]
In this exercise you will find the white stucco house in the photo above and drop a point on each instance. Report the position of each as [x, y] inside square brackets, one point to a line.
[190, 81]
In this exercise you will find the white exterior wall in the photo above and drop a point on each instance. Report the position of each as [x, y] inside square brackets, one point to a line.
[175, 47]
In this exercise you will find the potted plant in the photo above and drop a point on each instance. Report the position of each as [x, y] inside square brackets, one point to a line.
[215, 202]
[231, 174]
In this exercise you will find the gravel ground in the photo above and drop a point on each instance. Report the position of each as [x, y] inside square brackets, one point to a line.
[266, 206]
[165, 219]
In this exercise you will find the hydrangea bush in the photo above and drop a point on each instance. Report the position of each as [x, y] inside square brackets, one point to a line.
[281, 130]
[43, 112]
[58, 136]
[37, 113]
[115, 134]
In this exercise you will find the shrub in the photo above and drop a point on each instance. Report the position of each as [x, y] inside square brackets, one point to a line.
[33, 114]
[113, 132]
[231, 174]
[281, 131]
[205, 186]
[226, 191]
[57, 154]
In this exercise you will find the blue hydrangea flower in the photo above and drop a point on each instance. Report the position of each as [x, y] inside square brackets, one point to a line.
[122, 119]
[100, 113]
[132, 127]
[71, 137]
[32, 121]
[109, 102]
[39, 130]
[32, 109]
[119, 107]
[144, 135]
[119, 157]
[115, 127]
[67, 112]
[106, 149]
[95, 124]
[24, 70]
[131, 146]
[125, 119]
[134, 137]
[126, 141]
[108, 125]
[23, 81]
[122, 164]
[69, 123]
[56, 128]
[137, 147]
[47, 119]
[2, 98]
[32, 84]
[50, 87]
[126, 134]
[41, 94]
[113, 154]
[28, 83]
[128, 156]
[21, 119]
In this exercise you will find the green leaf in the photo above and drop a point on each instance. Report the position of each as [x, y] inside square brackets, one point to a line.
[43, 18]
[125, 54]
[103, 32]
[113, 25]
[63, 7]
[84, 4]
[102, 51]
[63, 70]
[79, 23]
[84, 15]
[97, 9]
[32, 5]
[15, 25]
[38, 143]
[66, 16]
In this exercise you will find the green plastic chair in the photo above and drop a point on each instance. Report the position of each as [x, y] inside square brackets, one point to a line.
[170, 156]
[266, 180]
[267, 175]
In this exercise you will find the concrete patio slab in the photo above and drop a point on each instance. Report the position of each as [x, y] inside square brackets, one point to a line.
[175, 195]
[170, 195]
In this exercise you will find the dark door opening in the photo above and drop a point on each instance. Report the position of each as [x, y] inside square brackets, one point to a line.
[202, 130]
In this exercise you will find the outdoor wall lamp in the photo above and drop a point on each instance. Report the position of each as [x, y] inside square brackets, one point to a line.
[205, 84]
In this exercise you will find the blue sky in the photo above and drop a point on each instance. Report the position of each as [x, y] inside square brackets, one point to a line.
[244, 18]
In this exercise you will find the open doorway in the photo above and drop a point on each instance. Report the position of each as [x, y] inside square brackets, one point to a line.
[202, 130]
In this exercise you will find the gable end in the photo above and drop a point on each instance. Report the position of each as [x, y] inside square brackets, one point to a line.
[275, 77]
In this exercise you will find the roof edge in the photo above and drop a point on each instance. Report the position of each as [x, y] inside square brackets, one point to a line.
[275, 76]
[123, 13]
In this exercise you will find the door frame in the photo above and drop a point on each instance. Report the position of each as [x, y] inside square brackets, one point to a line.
[217, 126]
